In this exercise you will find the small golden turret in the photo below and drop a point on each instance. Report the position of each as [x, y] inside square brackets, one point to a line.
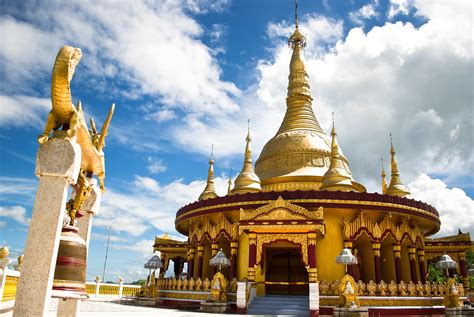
[229, 185]
[396, 187]
[247, 181]
[338, 176]
[384, 181]
[210, 190]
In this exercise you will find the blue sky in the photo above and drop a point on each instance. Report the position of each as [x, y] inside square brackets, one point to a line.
[188, 74]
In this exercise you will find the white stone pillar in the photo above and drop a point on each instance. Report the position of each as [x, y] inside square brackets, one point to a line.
[90, 207]
[241, 297]
[3, 265]
[97, 286]
[314, 299]
[57, 166]
[120, 282]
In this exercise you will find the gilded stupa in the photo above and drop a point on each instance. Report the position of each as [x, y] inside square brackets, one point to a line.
[283, 224]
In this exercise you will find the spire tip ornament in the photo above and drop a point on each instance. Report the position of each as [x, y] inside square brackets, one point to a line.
[396, 187]
[247, 181]
[209, 190]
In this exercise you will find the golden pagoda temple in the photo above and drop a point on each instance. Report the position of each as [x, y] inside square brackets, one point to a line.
[285, 221]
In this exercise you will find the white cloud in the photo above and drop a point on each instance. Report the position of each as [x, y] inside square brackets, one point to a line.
[163, 115]
[144, 248]
[22, 110]
[149, 205]
[16, 186]
[155, 165]
[454, 206]
[155, 48]
[399, 7]
[17, 213]
[104, 237]
[365, 12]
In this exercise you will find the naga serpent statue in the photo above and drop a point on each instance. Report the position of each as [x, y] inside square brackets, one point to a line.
[64, 114]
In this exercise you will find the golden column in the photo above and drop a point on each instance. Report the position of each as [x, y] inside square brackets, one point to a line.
[463, 268]
[377, 264]
[234, 246]
[397, 254]
[422, 264]
[252, 256]
[192, 253]
[412, 255]
[312, 270]
[165, 260]
[200, 254]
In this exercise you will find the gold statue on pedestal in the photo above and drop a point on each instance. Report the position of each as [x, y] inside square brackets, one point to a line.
[219, 288]
[451, 299]
[348, 292]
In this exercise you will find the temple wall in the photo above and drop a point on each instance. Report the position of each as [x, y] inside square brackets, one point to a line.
[328, 247]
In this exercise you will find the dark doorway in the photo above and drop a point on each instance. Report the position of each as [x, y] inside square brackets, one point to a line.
[285, 272]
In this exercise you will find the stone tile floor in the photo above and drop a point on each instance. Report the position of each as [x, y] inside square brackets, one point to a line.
[91, 308]
[103, 308]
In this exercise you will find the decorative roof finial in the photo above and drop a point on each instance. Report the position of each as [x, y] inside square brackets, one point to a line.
[229, 183]
[333, 132]
[338, 176]
[296, 13]
[384, 181]
[247, 181]
[396, 187]
[210, 190]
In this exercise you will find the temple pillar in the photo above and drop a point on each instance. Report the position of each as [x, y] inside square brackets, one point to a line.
[422, 264]
[377, 264]
[412, 256]
[397, 254]
[463, 268]
[200, 253]
[234, 246]
[312, 271]
[350, 268]
[252, 256]
[192, 252]
[165, 261]
[214, 249]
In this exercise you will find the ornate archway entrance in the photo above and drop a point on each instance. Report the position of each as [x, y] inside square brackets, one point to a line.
[285, 272]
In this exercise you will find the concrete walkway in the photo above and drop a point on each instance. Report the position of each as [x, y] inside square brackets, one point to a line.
[103, 308]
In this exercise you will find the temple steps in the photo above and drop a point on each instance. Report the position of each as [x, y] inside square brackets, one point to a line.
[272, 305]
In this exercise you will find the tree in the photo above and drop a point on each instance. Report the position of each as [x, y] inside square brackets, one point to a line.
[435, 274]
[139, 282]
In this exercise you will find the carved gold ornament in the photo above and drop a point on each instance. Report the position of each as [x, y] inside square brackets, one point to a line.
[379, 229]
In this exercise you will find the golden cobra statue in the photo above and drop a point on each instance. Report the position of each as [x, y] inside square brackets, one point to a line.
[71, 119]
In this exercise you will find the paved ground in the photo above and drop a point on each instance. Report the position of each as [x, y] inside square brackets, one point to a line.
[94, 308]
[101, 308]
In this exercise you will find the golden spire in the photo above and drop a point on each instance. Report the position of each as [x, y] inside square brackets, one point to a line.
[299, 113]
[338, 176]
[384, 181]
[247, 181]
[396, 187]
[229, 186]
[209, 191]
